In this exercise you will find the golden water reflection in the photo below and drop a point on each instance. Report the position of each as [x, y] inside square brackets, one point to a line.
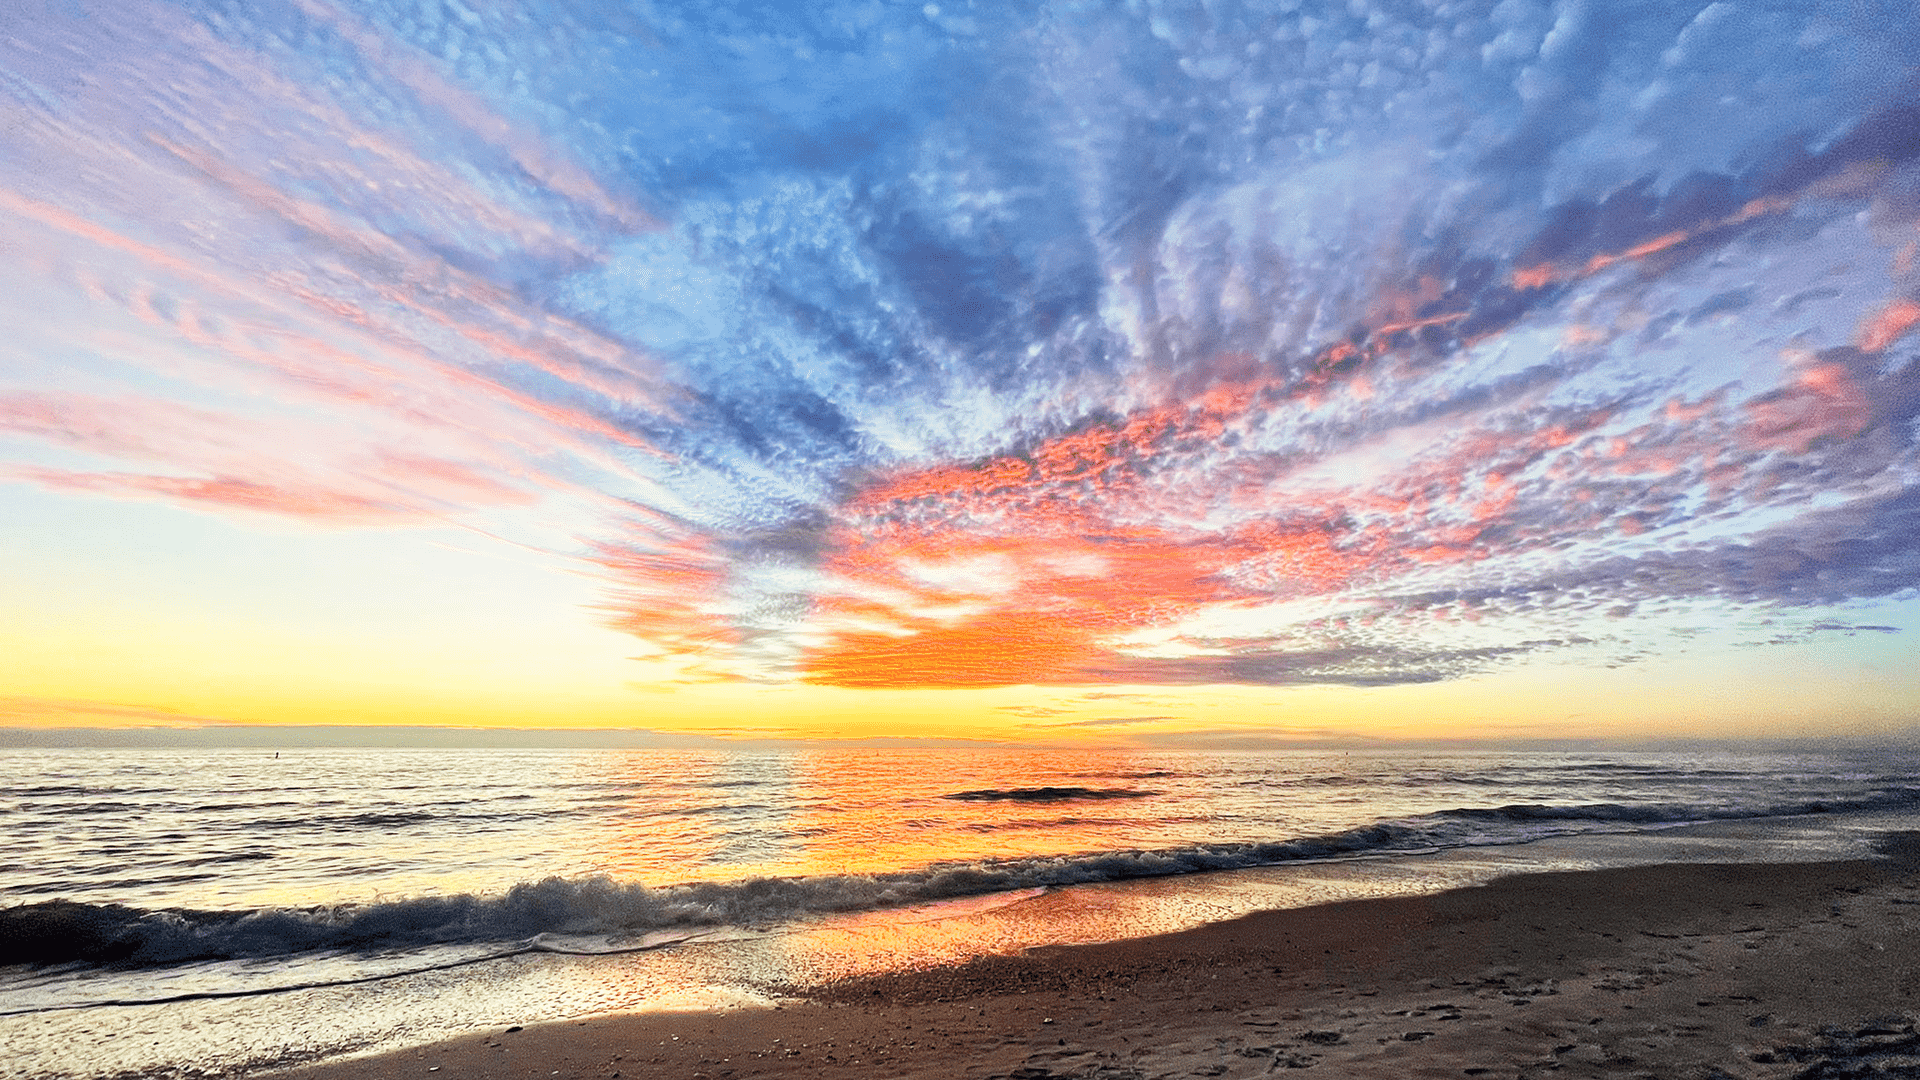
[719, 816]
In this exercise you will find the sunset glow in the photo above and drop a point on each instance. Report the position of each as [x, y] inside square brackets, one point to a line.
[1090, 373]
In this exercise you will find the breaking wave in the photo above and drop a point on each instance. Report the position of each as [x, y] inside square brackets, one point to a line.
[63, 932]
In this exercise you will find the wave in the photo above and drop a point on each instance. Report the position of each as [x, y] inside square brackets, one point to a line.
[1047, 794]
[85, 791]
[64, 932]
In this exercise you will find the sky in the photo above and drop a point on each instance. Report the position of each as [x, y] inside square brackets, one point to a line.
[1143, 373]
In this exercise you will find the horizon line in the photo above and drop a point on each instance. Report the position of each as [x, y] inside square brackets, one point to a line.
[449, 736]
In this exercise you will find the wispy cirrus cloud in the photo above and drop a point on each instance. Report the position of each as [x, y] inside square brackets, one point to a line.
[311, 478]
[303, 259]
[1360, 346]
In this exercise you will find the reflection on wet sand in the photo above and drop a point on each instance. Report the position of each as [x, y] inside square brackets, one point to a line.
[954, 931]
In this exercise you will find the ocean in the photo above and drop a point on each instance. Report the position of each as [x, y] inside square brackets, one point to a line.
[211, 912]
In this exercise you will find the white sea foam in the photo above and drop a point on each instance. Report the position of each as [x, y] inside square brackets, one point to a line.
[603, 914]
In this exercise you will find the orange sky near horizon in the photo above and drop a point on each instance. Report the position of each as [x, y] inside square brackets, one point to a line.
[80, 650]
[1066, 375]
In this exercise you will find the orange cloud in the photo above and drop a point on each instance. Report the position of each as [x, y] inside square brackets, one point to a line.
[1540, 275]
[1824, 403]
[1026, 568]
[1889, 325]
[667, 592]
[1041, 566]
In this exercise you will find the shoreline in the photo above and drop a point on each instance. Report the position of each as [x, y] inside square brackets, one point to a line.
[1673, 970]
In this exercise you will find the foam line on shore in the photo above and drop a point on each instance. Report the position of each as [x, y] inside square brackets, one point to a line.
[539, 943]
[59, 931]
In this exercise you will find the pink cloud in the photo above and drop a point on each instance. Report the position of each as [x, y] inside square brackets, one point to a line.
[288, 465]
[312, 504]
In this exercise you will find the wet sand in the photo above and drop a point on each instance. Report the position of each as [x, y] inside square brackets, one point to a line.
[1807, 970]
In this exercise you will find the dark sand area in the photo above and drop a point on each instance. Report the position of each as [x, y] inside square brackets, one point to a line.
[1675, 971]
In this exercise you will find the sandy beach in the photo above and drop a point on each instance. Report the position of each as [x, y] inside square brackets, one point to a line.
[1683, 971]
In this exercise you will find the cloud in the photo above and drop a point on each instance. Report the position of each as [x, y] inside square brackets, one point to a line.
[324, 482]
[1240, 739]
[1107, 721]
[1092, 348]
[331, 307]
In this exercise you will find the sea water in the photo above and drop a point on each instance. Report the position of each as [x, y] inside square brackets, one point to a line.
[154, 902]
